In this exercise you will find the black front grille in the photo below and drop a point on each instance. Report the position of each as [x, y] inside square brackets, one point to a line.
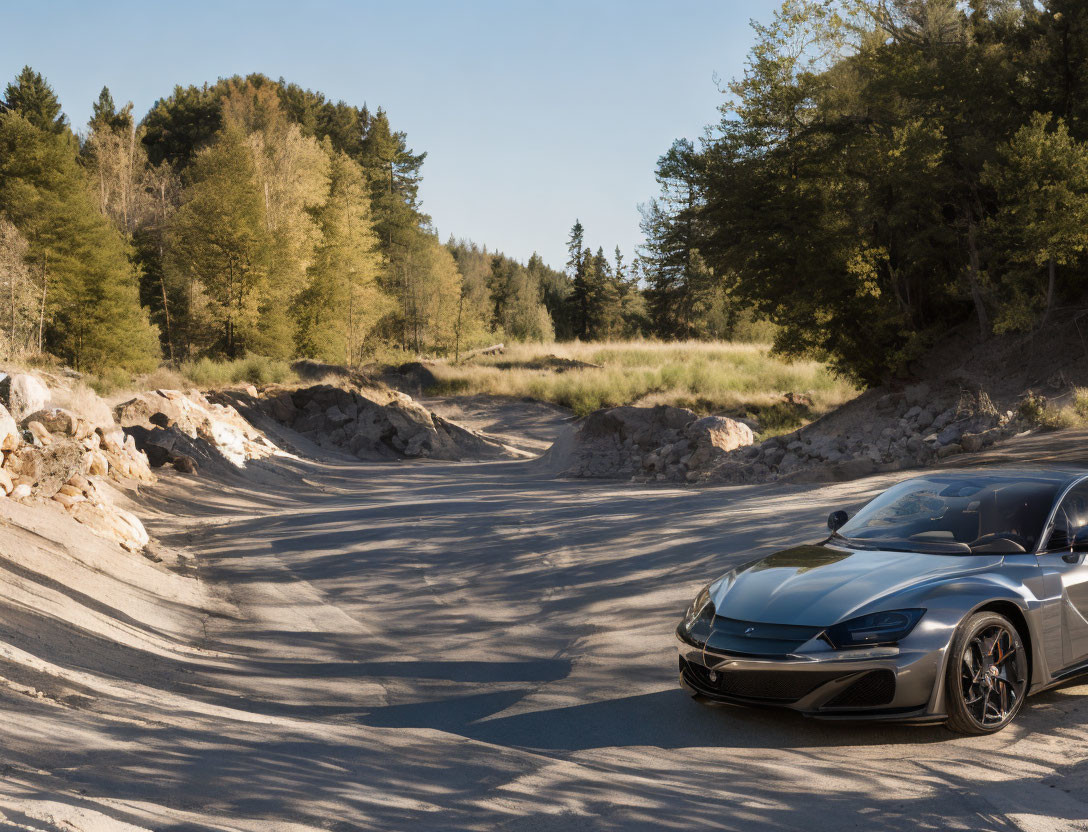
[752, 638]
[877, 687]
[777, 686]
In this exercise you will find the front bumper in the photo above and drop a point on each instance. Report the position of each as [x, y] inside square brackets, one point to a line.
[887, 683]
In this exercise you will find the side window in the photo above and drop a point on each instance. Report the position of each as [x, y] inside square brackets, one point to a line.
[1070, 520]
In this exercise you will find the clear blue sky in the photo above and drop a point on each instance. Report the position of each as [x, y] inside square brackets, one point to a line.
[532, 113]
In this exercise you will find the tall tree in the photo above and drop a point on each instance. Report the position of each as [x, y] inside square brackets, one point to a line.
[220, 243]
[343, 302]
[579, 298]
[293, 173]
[89, 310]
[1041, 182]
[31, 96]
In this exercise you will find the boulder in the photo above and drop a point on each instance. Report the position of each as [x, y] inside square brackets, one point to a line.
[9, 431]
[56, 420]
[6, 483]
[23, 394]
[950, 434]
[715, 434]
[40, 433]
[20, 491]
[112, 523]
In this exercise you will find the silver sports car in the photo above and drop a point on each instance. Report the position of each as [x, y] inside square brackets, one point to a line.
[948, 598]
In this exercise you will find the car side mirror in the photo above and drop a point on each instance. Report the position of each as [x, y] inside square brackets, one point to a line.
[837, 519]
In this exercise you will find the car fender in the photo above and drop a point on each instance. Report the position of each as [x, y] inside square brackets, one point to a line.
[958, 600]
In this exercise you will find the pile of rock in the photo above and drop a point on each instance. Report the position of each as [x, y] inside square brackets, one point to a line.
[53, 453]
[660, 443]
[375, 423]
[906, 430]
[186, 430]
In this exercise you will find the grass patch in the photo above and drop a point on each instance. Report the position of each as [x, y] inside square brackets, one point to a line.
[1041, 413]
[253, 369]
[714, 377]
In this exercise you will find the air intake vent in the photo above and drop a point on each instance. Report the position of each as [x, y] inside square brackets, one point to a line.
[876, 687]
[777, 686]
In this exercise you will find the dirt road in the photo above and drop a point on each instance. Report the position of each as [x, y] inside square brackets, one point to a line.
[479, 647]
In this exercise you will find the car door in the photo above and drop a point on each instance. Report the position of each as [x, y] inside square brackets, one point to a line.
[1060, 560]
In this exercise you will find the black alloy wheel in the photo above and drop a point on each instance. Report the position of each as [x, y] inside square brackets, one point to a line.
[987, 675]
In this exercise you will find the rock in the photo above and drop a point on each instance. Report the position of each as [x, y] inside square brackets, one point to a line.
[6, 482]
[20, 492]
[950, 434]
[336, 417]
[10, 436]
[852, 469]
[47, 469]
[184, 463]
[56, 420]
[160, 420]
[949, 450]
[773, 456]
[251, 391]
[943, 419]
[282, 408]
[23, 394]
[912, 413]
[39, 432]
[68, 500]
[971, 442]
[112, 523]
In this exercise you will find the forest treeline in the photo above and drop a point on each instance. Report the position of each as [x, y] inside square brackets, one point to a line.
[884, 170]
[249, 217]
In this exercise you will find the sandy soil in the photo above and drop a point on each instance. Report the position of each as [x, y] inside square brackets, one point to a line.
[450, 646]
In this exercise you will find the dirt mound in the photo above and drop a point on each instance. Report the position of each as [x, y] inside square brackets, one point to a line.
[414, 378]
[661, 443]
[189, 431]
[376, 423]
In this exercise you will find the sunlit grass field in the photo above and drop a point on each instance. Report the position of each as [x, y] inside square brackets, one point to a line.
[714, 377]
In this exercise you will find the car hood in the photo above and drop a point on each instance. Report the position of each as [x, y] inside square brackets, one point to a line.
[821, 585]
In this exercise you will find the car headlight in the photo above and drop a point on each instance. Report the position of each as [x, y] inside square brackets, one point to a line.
[701, 608]
[873, 629]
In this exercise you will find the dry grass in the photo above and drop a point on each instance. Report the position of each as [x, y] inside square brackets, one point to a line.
[715, 377]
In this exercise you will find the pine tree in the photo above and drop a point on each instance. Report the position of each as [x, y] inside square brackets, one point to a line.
[606, 319]
[31, 96]
[579, 299]
[89, 311]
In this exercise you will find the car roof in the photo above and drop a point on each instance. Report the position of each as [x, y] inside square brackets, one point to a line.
[1056, 476]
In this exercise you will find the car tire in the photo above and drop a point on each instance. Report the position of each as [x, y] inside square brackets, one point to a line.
[986, 675]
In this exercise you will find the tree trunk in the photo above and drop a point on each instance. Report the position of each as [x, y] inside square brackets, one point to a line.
[162, 269]
[11, 286]
[1051, 280]
[974, 280]
[41, 312]
[457, 331]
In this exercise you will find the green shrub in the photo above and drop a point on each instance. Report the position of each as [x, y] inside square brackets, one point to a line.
[253, 369]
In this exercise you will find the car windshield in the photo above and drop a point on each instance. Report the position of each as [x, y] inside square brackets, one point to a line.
[945, 515]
